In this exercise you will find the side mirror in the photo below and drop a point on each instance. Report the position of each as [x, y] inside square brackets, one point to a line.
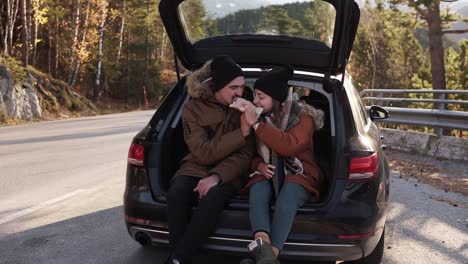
[377, 113]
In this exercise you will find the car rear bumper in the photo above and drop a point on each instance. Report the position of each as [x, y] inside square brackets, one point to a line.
[313, 237]
[238, 246]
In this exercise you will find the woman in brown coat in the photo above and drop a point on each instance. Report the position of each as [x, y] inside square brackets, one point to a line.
[285, 129]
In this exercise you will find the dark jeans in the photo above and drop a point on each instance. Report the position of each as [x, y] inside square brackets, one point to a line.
[189, 230]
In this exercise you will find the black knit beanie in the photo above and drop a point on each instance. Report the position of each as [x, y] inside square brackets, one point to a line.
[223, 70]
[275, 82]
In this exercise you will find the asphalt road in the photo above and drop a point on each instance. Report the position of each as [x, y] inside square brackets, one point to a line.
[62, 183]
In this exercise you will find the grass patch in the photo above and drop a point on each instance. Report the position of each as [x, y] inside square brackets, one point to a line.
[17, 71]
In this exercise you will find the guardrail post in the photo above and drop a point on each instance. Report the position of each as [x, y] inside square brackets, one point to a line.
[440, 131]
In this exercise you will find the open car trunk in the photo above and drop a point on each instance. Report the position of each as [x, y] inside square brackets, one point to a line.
[310, 34]
[253, 33]
[167, 146]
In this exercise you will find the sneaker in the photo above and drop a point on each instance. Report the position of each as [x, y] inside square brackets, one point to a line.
[262, 252]
[247, 261]
[172, 260]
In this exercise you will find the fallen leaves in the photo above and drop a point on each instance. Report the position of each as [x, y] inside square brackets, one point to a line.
[428, 170]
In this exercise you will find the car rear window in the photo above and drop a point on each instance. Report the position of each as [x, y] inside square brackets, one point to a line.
[310, 19]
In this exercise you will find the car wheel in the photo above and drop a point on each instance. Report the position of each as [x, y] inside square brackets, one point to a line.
[375, 257]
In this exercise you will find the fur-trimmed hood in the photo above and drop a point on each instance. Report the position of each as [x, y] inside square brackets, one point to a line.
[292, 108]
[199, 83]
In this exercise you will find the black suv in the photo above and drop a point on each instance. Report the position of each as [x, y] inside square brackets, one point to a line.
[348, 223]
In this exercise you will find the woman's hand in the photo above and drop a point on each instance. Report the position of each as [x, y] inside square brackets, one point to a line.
[250, 112]
[266, 170]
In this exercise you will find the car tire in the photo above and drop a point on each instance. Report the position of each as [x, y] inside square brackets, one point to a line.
[375, 257]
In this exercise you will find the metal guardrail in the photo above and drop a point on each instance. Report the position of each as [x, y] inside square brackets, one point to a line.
[420, 117]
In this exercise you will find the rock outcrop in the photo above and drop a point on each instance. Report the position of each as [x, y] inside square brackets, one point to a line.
[35, 95]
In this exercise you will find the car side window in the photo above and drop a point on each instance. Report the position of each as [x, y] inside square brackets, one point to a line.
[357, 105]
[362, 108]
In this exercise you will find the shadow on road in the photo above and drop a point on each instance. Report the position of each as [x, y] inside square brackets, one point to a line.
[423, 230]
[101, 237]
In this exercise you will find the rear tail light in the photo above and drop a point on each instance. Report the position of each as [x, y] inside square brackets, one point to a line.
[354, 237]
[364, 168]
[136, 154]
[141, 221]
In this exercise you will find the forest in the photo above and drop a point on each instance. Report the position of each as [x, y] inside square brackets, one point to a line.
[117, 49]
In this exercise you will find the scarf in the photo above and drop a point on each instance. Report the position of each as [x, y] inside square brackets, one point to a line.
[292, 165]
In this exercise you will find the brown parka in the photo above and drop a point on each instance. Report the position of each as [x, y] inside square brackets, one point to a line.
[213, 135]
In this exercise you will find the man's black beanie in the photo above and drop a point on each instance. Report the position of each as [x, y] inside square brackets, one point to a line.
[223, 70]
[275, 82]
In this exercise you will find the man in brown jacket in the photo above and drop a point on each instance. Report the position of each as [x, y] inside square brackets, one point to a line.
[220, 152]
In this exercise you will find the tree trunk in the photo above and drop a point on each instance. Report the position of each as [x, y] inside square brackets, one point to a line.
[29, 15]
[163, 46]
[127, 62]
[12, 12]
[122, 24]
[2, 32]
[83, 40]
[75, 26]
[57, 35]
[16, 5]
[145, 74]
[24, 34]
[6, 40]
[49, 52]
[29, 27]
[34, 42]
[34, 30]
[371, 38]
[99, 66]
[436, 50]
[106, 86]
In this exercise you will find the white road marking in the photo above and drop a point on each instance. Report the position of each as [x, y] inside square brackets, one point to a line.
[39, 206]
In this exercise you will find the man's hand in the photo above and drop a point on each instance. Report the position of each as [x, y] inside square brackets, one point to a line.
[239, 104]
[266, 170]
[245, 126]
[204, 185]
